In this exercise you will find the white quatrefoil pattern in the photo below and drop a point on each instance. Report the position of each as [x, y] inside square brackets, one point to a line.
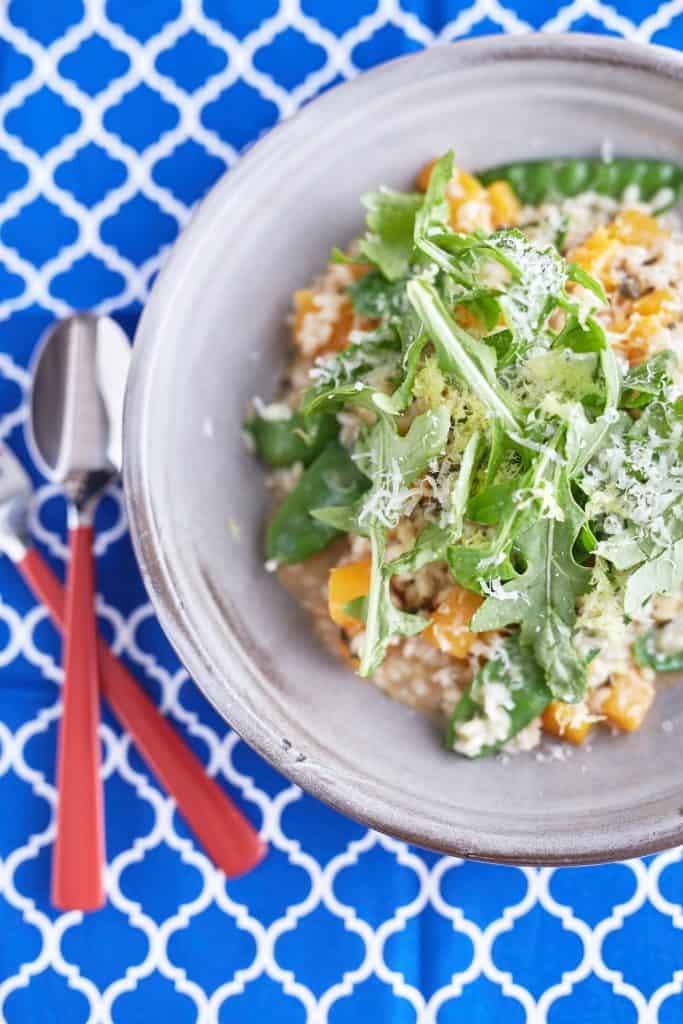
[115, 117]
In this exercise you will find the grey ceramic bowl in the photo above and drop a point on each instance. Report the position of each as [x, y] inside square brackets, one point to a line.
[213, 335]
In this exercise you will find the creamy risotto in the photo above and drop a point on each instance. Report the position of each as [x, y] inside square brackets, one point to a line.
[475, 454]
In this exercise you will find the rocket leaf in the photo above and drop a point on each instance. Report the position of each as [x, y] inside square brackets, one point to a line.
[543, 598]
[391, 226]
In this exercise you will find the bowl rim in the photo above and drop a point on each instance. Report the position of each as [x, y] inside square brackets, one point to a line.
[340, 793]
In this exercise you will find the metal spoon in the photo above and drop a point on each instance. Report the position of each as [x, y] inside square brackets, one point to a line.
[76, 422]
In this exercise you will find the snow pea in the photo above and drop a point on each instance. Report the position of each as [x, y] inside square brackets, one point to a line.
[297, 439]
[535, 181]
[332, 479]
[646, 653]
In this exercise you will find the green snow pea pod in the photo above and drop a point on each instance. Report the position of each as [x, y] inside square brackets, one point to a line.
[536, 181]
[331, 480]
[647, 653]
[300, 438]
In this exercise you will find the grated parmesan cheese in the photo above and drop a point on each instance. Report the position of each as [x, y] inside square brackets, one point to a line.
[491, 726]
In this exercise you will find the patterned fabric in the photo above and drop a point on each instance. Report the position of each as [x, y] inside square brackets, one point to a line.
[115, 118]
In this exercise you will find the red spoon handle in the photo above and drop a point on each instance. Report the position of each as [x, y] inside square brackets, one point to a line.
[229, 839]
[79, 846]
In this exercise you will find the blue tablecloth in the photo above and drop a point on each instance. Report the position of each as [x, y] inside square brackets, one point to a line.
[115, 118]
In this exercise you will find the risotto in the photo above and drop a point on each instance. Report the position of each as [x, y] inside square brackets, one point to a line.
[476, 452]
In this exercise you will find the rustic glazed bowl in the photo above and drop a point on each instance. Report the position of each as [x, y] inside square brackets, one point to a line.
[213, 335]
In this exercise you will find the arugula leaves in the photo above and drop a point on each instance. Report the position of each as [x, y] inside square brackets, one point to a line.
[488, 408]
[649, 379]
[393, 462]
[433, 215]
[396, 463]
[384, 620]
[375, 297]
[542, 600]
[662, 574]
[348, 376]
[459, 353]
[435, 539]
[391, 225]
[538, 281]
[585, 437]
[635, 489]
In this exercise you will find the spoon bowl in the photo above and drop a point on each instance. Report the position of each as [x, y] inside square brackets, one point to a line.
[77, 404]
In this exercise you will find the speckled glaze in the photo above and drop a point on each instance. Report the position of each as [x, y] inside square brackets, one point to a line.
[213, 335]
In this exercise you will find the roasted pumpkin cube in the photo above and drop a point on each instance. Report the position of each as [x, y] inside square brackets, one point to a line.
[463, 187]
[597, 254]
[633, 227]
[303, 304]
[463, 191]
[571, 722]
[640, 325]
[345, 584]
[659, 302]
[505, 206]
[642, 338]
[322, 322]
[468, 203]
[630, 695]
[424, 174]
[343, 325]
[449, 629]
[467, 319]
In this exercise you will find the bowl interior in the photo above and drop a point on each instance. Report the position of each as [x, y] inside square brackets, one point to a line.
[214, 335]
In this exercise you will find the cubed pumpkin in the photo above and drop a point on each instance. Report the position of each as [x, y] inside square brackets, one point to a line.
[345, 584]
[571, 722]
[463, 190]
[335, 324]
[630, 695]
[505, 206]
[449, 628]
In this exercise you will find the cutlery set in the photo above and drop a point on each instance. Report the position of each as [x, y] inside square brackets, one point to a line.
[76, 417]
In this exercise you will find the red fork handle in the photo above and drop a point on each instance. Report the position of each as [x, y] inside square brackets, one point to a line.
[224, 832]
[78, 858]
